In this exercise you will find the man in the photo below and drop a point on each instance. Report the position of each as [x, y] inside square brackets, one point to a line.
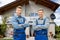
[19, 24]
[41, 26]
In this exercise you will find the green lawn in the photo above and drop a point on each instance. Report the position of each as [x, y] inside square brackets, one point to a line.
[57, 38]
[12, 38]
[6, 38]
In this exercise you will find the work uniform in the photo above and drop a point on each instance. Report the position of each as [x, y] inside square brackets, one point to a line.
[41, 28]
[19, 24]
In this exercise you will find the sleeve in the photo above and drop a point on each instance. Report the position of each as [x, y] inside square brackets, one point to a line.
[45, 26]
[36, 26]
[15, 23]
[26, 24]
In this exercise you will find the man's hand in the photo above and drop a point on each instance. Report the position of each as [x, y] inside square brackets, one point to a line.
[34, 34]
[27, 36]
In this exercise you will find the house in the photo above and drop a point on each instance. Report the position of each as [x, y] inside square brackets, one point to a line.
[30, 6]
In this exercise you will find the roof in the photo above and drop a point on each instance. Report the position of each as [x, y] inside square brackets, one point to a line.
[50, 4]
[12, 5]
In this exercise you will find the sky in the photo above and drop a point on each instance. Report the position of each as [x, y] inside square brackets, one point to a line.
[57, 12]
[57, 1]
[4, 2]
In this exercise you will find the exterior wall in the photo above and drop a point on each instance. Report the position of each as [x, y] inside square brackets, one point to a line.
[12, 11]
[32, 8]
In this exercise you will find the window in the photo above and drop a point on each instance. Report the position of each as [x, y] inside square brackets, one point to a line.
[33, 14]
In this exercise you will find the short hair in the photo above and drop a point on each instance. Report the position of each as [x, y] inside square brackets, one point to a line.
[19, 7]
[40, 10]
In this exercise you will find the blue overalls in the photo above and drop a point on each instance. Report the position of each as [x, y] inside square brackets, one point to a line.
[42, 33]
[19, 31]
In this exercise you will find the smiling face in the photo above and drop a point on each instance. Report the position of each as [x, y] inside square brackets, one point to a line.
[41, 13]
[18, 10]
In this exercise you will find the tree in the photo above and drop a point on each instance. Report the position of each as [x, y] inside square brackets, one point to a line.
[3, 27]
